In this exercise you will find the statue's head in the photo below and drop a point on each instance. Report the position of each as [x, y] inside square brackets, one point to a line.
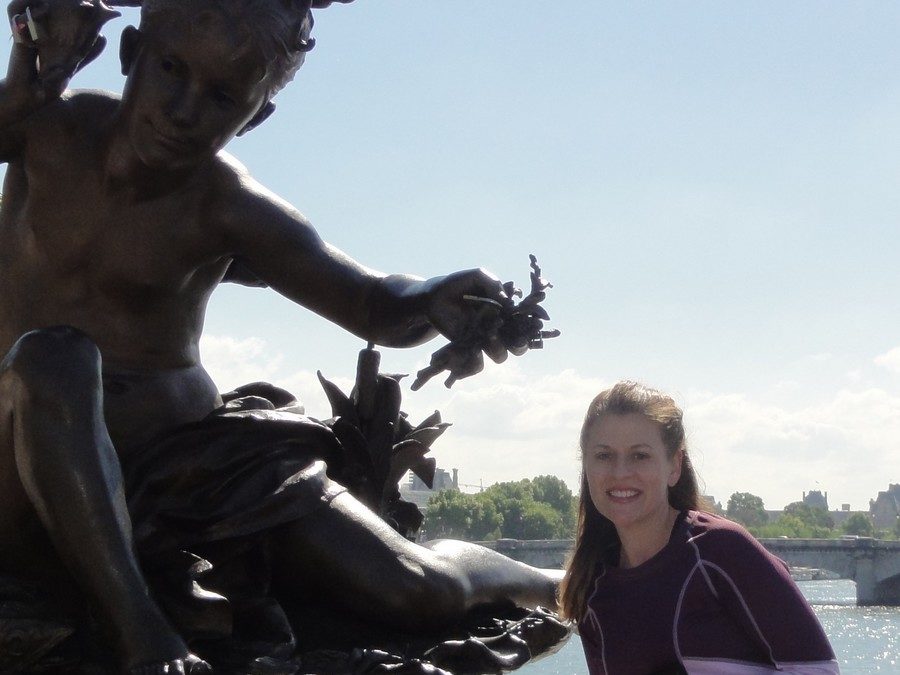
[278, 30]
[202, 71]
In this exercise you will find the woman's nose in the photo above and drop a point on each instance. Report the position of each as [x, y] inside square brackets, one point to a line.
[620, 467]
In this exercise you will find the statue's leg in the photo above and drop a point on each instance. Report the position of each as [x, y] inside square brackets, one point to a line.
[353, 558]
[61, 471]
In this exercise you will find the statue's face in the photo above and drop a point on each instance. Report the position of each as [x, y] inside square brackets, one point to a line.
[190, 90]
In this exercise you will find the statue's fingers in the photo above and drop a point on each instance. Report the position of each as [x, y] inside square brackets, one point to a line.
[423, 376]
[22, 69]
[472, 365]
[495, 349]
[93, 52]
[17, 7]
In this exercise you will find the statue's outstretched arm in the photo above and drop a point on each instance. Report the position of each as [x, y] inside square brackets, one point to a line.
[280, 247]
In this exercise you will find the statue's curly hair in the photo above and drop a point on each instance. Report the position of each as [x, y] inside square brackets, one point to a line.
[279, 28]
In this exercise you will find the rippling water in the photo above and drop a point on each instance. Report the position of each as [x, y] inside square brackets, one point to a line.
[865, 639]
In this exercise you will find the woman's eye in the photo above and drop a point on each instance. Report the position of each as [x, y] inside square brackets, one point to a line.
[639, 456]
[602, 456]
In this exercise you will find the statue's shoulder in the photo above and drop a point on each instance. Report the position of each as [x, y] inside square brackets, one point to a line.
[93, 105]
[229, 167]
[76, 111]
[229, 179]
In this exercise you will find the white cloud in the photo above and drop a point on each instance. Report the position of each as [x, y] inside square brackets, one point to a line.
[232, 363]
[890, 360]
[509, 425]
[848, 444]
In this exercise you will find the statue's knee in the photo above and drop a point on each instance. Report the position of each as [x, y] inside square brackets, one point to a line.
[47, 359]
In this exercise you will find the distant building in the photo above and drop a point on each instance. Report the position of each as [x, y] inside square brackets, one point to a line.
[418, 493]
[885, 508]
[443, 480]
[816, 500]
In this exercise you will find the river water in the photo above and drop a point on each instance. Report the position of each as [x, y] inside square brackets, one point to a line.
[865, 639]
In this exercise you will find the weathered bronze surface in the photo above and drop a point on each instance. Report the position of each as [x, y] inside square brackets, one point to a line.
[148, 522]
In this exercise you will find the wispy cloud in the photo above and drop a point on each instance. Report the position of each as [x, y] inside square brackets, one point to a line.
[889, 360]
[510, 425]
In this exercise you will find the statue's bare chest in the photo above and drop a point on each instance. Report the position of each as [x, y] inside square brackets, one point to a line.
[85, 242]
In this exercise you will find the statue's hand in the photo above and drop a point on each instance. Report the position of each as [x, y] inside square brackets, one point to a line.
[465, 308]
[24, 92]
[478, 314]
[55, 39]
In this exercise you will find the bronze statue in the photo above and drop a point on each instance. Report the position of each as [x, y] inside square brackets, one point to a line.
[130, 494]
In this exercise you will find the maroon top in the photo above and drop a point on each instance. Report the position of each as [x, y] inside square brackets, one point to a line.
[713, 600]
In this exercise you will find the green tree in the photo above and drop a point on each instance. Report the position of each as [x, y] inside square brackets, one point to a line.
[859, 524]
[485, 521]
[813, 516]
[540, 521]
[511, 491]
[786, 525]
[511, 498]
[449, 514]
[513, 512]
[542, 508]
[747, 509]
[554, 491]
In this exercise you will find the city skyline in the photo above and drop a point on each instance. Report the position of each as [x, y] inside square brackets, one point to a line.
[712, 189]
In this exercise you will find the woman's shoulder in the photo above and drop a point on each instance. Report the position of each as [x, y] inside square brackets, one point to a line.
[728, 544]
[712, 530]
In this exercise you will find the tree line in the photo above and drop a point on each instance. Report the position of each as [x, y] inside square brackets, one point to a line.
[800, 520]
[545, 508]
[537, 508]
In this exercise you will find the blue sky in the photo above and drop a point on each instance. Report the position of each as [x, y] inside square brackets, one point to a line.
[712, 188]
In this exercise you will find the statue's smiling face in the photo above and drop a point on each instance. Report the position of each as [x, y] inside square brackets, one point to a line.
[191, 88]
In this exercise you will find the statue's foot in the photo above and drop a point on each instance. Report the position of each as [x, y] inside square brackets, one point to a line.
[190, 665]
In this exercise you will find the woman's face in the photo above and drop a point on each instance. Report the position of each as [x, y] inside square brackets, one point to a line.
[628, 470]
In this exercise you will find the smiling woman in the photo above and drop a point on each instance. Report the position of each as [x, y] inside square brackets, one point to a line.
[658, 585]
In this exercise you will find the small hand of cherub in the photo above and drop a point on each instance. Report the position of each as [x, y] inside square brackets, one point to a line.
[65, 34]
[495, 327]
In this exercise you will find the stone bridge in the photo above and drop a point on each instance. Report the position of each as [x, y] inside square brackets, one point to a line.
[873, 564]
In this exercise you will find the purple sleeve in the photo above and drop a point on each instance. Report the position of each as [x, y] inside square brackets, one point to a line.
[593, 652]
[757, 590]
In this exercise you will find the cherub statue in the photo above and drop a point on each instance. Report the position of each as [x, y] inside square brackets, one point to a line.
[123, 477]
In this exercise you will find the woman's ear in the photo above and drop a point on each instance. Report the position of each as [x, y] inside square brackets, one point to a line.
[675, 474]
[129, 46]
[261, 116]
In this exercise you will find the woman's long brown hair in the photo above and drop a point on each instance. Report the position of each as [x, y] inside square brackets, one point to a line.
[596, 535]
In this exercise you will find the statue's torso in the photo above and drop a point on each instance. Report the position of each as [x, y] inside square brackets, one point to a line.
[134, 273]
